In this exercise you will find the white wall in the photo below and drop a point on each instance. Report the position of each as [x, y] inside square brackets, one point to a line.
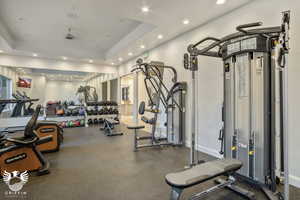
[210, 86]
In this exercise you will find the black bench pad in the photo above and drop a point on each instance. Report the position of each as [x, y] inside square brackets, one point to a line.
[202, 172]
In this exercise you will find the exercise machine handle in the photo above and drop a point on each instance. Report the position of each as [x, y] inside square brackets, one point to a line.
[206, 39]
[241, 28]
[186, 61]
[221, 138]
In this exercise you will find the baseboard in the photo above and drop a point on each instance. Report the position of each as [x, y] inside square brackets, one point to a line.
[294, 180]
[209, 151]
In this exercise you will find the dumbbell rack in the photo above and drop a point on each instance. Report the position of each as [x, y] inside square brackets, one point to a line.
[65, 118]
[100, 110]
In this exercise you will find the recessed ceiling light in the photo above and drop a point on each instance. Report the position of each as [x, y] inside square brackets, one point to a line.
[64, 58]
[112, 63]
[145, 9]
[186, 22]
[130, 54]
[120, 59]
[35, 55]
[142, 46]
[91, 61]
[160, 36]
[1, 51]
[220, 2]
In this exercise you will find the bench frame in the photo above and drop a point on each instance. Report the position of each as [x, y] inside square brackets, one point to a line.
[109, 125]
[153, 142]
[221, 183]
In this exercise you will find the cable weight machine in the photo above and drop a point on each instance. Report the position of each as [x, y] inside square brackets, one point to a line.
[255, 77]
[162, 100]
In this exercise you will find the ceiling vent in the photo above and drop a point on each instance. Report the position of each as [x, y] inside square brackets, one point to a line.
[70, 36]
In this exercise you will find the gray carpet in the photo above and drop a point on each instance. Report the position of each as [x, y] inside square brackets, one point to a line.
[92, 166]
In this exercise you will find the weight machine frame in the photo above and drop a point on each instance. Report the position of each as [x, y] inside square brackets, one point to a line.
[153, 72]
[280, 35]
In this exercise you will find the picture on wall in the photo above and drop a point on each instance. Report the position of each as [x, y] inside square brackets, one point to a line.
[24, 82]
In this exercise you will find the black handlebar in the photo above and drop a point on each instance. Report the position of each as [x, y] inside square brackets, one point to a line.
[206, 39]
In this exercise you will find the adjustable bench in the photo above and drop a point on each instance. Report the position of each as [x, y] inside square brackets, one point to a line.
[204, 172]
[109, 125]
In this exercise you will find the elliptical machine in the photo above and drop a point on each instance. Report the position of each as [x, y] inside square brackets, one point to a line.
[20, 108]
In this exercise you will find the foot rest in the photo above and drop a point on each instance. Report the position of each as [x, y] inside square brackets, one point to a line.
[203, 172]
[136, 127]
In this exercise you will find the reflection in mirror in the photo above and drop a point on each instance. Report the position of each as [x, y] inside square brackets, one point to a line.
[21, 89]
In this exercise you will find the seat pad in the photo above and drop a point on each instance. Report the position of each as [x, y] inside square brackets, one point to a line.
[136, 126]
[202, 172]
[112, 121]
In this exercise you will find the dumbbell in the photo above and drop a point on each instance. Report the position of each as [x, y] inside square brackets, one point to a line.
[101, 121]
[94, 112]
[96, 121]
[90, 121]
[100, 112]
[105, 111]
[75, 112]
[68, 112]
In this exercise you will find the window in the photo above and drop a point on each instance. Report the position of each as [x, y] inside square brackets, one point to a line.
[5, 88]
[125, 93]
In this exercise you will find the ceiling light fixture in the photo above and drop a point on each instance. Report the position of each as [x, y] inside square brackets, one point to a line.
[186, 22]
[35, 55]
[1, 51]
[145, 9]
[120, 59]
[142, 46]
[220, 2]
[91, 61]
[64, 58]
[160, 36]
[112, 63]
[130, 54]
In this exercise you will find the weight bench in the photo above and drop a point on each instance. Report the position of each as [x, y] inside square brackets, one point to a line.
[109, 125]
[136, 138]
[204, 172]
